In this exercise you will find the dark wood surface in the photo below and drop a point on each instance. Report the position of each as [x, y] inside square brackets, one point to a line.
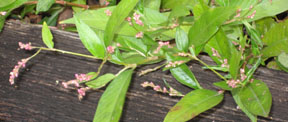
[37, 98]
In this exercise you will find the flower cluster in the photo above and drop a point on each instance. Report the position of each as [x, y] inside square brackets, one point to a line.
[238, 13]
[252, 15]
[79, 78]
[139, 35]
[174, 64]
[183, 54]
[110, 49]
[108, 12]
[136, 17]
[82, 92]
[25, 46]
[129, 20]
[15, 71]
[233, 83]
[171, 91]
[161, 44]
[224, 63]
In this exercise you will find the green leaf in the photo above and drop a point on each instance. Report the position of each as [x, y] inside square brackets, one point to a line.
[223, 85]
[256, 97]
[12, 6]
[276, 40]
[181, 39]
[153, 4]
[234, 63]
[153, 17]
[44, 5]
[235, 94]
[100, 81]
[111, 103]
[220, 43]
[133, 44]
[273, 65]
[251, 71]
[282, 61]
[119, 14]
[193, 104]
[184, 75]
[89, 39]
[207, 25]
[78, 9]
[4, 3]
[52, 20]
[264, 25]
[47, 36]
[266, 8]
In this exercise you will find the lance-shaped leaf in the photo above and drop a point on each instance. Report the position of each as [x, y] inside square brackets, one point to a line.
[207, 25]
[182, 41]
[235, 93]
[234, 63]
[193, 104]
[47, 36]
[4, 3]
[119, 14]
[44, 5]
[100, 81]
[78, 9]
[256, 97]
[184, 75]
[90, 39]
[111, 103]
[276, 40]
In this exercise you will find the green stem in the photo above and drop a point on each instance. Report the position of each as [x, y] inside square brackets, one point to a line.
[67, 52]
[151, 70]
[101, 65]
[34, 54]
[209, 68]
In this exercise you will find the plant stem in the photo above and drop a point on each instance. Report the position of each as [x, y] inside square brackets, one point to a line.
[209, 68]
[67, 52]
[151, 70]
[101, 65]
[70, 4]
[34, 54]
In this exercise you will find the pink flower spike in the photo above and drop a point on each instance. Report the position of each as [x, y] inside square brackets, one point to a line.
[16, 69]
[165, 90]
[108, 12]
[157, 88]
[139, 35]
[252, 15]
[145, 84]
[110, 49]
[25, 46]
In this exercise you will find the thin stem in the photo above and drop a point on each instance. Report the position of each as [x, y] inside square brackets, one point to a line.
[210, 68]
[101, 65]
[34, 54]
[70, 4]
[67, 52]
[133, 66]
[151, 70]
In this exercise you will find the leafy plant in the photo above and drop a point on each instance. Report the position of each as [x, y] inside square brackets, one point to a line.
[141, 32]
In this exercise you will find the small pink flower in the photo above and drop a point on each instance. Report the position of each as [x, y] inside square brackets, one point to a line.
[139, 35]
[183, 54]
[110, 49]
[3, 13]
[136, 16]
[252, 15]
[106, 3]
[165, 90]
[157, 88]
[118, 45]
[65, 85]
[220, 91]
[139, 22]
[108, 12]
[145, 84]
[251, 80]
[128, 19]
[25, 46]
[215, 53]
[81, 91]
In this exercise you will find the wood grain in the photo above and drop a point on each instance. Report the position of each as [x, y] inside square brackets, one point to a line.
[37, 98]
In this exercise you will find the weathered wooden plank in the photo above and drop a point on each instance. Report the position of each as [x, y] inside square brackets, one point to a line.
[38, 98]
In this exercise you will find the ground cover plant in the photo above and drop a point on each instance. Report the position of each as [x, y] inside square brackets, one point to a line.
[239, 36]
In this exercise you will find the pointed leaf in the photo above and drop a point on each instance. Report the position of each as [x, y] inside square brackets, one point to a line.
[181, 39]
[193, 104]
[234, 63]
[235, 93]
[276, 40]
[78, 9]
[119, 14]
[184, 75]
[44, 5]
[208, 24]
[256, 97]
[89, 39]
[111, 103]
[47, 36]
[100, 81]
